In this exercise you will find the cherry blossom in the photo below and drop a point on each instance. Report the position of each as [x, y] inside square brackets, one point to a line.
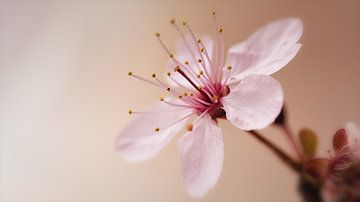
[204, 86]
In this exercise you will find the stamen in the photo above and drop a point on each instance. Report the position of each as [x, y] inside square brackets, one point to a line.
[201, 115]
[160, 82]
[130, 111]
[177, 69]
[196, 102]
[143, 79]
[203, 102]
[177, 121]
[218, 52]
[203, 50]
[216, 98]
[170, 54]
[177, 105]
[179, 84]
[157, 112]
[189, 127]
[185, 41]
[227, 78]
[197, 41]
[163, 46]
[157, 129]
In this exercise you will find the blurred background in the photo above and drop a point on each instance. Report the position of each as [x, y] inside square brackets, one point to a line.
[65, 94]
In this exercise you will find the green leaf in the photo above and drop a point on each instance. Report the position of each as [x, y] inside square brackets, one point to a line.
[308, 141]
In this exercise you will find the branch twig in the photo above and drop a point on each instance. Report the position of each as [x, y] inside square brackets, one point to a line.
[296, 166]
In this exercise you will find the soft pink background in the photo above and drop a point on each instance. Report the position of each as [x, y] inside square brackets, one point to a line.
[65, 95]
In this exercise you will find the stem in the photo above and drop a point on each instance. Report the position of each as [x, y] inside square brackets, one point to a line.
[281, 154]
[291, 139]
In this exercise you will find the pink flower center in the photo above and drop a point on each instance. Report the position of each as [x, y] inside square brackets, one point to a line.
[206, 78]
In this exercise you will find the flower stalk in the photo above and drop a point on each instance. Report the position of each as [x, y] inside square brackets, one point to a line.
[292, 141]
[294, 165]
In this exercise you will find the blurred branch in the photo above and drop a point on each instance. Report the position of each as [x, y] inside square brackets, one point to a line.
[296, 166]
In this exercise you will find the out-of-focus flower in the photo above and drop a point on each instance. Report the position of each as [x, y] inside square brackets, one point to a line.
[340, 174]
[203, 86]
[343, 180]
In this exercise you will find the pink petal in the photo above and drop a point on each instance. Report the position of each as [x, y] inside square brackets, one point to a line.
[189, 53]
[340, 140]
[353, 133]
[267, 50]
[139, 141]
[254, 102]
[201, 154]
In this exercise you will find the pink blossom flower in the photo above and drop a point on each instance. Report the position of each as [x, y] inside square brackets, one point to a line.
[342, 178]
[203, 88]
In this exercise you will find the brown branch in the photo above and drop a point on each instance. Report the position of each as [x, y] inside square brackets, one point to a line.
[296, 166]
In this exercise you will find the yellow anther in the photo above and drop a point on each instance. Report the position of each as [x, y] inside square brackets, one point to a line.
[191, 94]
[201, 72]
[216, 98]
[189, 127]
[199, 60]
[161, 98]
[220, 30]
[157, 129]
[172, 21]
[184, 23]
[213, 12]
[185, 94]
[198, 75]
[157, 34]
[130, 73]
[171, 55]
[180, 96]
[202, 50]
[130, 111]
[199, 40]
[186, 62]
[229, 67]
[168, 89]
[168, 73]
[153, 75]
[200, 88]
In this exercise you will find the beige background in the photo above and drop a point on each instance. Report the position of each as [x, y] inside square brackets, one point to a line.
[65, 95]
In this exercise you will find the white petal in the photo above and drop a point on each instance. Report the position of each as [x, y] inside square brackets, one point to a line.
[353, 133]
[188, 51]
[201, 153]
[254, 103]
[139, 141]
[267, 50]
